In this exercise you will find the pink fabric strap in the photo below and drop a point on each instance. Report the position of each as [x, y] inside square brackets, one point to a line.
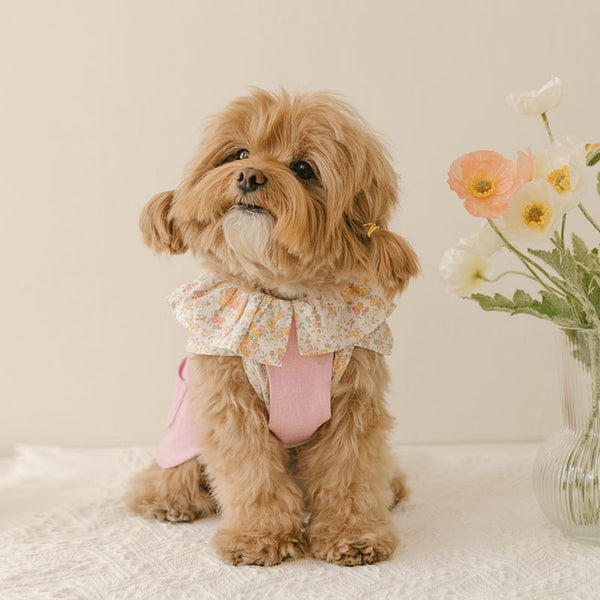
[300, 393]
[182, 438]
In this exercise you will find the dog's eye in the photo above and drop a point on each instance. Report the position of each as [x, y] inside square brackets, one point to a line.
[302, 169]
[239, 155]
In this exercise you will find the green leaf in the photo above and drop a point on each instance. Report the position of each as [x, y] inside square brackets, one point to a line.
[588, 260]
[579, 276]
[580, 250]
[553, 305]
[550, 257]
[521, 298]
[551, 308]
[498, 302]
[563, 263]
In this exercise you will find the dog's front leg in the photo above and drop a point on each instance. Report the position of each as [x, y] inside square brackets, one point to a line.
[262, 506]
[347, 472]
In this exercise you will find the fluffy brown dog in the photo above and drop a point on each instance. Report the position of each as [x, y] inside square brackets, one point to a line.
[282, 199]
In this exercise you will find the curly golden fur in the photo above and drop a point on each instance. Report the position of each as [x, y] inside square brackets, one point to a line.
[290, 237]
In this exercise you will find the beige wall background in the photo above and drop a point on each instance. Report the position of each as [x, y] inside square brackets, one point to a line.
[101, 105]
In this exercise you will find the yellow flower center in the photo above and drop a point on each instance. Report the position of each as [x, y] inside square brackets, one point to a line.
[477, 274]
[560, 179]
[537, 215]
[481, 186]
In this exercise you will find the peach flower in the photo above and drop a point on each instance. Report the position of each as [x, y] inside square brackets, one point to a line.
[525, 161]
[486, 181]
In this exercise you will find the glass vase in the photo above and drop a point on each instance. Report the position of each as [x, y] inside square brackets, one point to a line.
[566, 474]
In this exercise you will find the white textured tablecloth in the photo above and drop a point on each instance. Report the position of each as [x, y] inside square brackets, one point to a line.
[471, 529]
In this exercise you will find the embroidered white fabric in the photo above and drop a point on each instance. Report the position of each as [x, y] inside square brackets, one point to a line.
[471, 529]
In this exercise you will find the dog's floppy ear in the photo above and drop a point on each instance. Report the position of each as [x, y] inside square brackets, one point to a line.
[392, 261]
[158, 229]
[387, 258]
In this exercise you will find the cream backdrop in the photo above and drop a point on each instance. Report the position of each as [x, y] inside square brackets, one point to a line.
[101, 105]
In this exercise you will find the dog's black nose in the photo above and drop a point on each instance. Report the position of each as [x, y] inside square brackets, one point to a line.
[250, 179]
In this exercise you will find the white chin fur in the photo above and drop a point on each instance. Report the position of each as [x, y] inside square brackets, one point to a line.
[247, 234]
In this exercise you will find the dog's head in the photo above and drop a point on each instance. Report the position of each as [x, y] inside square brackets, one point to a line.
[282, 195]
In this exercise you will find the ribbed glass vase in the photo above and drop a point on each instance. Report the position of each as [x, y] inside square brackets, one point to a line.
[567, 467]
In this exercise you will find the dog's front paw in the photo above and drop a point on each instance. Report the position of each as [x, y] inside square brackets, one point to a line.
[258, 548]
[177, 495]
[351, 546]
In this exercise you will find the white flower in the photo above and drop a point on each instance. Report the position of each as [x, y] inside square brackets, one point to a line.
[462, 272]
[563, 166]
[484, 242]
[539, 101]
[533, 213]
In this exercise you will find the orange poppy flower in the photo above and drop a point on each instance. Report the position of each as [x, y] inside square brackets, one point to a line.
[486, 181]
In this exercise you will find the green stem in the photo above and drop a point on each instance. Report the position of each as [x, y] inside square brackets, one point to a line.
[562, 231]
[547, 125]
[587, 215]
[507, 273]
[527, 262]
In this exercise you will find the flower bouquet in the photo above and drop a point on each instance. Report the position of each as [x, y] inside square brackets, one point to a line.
[524, 205]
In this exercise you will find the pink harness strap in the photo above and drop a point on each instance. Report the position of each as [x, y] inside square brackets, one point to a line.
[181, 440]
[300, 402]
[300, 393]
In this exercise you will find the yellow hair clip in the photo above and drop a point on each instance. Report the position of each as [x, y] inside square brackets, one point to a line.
[373, 227]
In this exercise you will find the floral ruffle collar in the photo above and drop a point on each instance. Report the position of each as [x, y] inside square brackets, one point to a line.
[223, 319]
